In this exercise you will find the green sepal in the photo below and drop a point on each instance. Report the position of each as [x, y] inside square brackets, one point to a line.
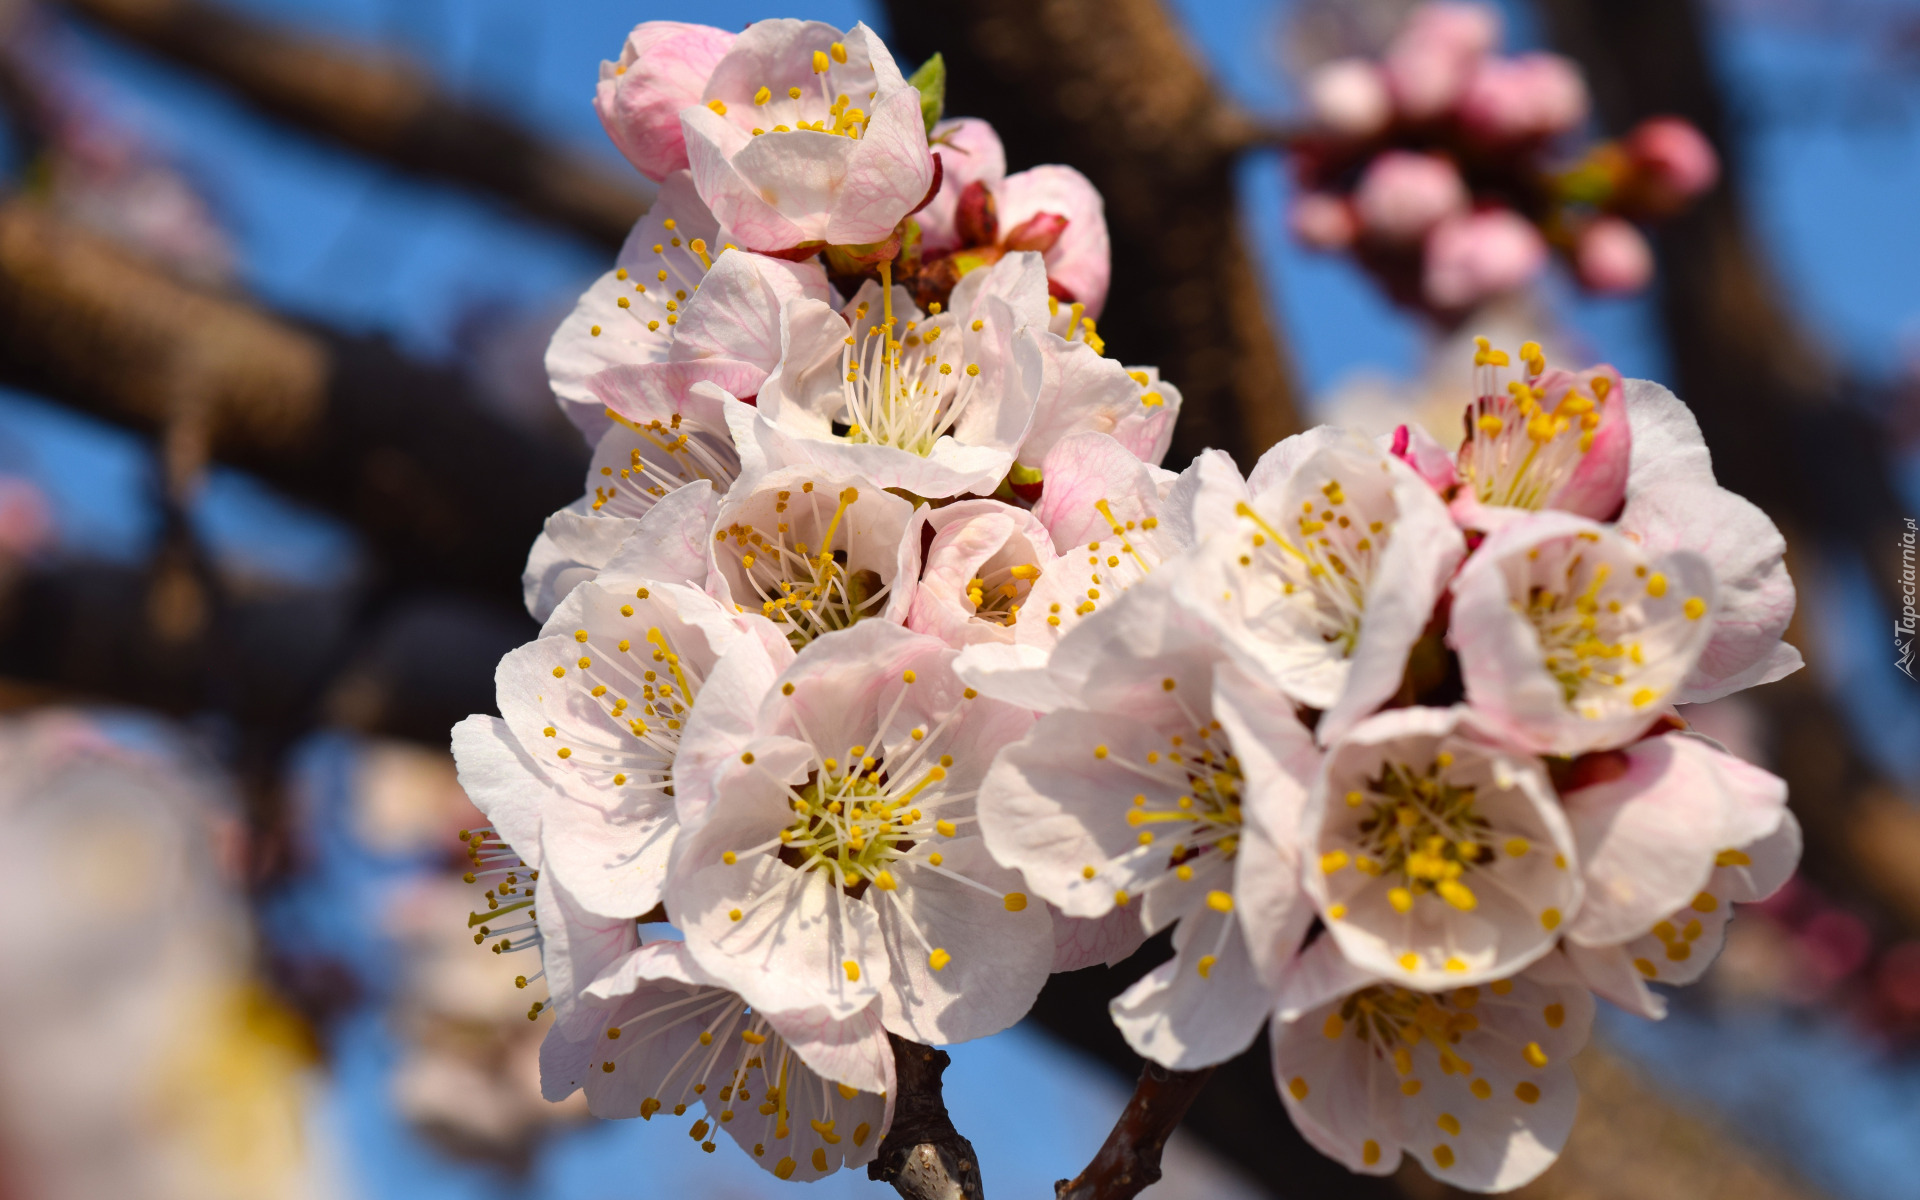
[931, 79]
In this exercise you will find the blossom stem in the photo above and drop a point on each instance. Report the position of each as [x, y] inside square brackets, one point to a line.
[1129, 1161]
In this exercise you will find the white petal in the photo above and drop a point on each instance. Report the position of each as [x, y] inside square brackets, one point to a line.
[1185, 1020]
[503, 782]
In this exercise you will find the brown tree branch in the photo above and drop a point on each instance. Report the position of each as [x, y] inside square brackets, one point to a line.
[923, 1156]
[1129, 1160]
[445, 493]
[382, 105]
[1113, 88]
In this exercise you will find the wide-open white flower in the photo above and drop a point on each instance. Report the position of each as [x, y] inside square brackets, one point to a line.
[1672, 832]
[1571, 636]
[982, 559]
[1437, 856]
[805, 134]
[1321, 571]
[1673, 502]
[1137, 795]
[804, 1093]
[591, 718]
[932, 403]
[813, 552]
[1472, 1082]
[839, 866]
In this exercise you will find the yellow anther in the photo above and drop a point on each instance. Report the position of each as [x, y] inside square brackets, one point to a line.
[852, 969]
[1205, 966]
[1401, 899]
[939, 959]
[1015, 901]
[1535, 1056]
[1220, 902]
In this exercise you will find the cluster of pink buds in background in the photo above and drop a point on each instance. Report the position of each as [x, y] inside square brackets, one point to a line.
[1441, 167]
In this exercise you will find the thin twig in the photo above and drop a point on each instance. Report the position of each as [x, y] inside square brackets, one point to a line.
[923, 1156]
[1129, 1161]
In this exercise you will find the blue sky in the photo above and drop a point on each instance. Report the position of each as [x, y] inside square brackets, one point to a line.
[324, 234]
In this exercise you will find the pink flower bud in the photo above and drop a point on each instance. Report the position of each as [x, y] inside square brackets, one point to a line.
[1037, 233]
[1323, 221]
[26, 519]
[1674, 157]
[1474, 257]
[1534, 95]
[1403, 195]
[1612, 256]
[1349, 97]
[1429, 63]
[663, 68]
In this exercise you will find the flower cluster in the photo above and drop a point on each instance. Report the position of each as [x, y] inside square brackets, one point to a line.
[1436, 167]
[884, 671]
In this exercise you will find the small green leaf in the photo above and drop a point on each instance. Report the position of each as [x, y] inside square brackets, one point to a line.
[931, 79]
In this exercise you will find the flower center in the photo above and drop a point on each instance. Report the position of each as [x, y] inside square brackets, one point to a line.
[659, 293]
[1422, 829]
[640, 735]
[1591, 617]
[901, 391]
[820, 109]
[804, 585]
[1517, 452]
[1072, 323]
[662, 456]
[1394, 1020]
[1323, 564]
[998, 592]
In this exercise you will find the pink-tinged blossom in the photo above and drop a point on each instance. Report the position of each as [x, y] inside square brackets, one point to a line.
[981, 561]
[812, 552]
[1438, 855]
[1322, 573]
[663, 67]
[805, 134]
[591, 718]
[839, 864]
[1673, 835]
[1528, 96]
[1402, 195]
[1673, 161]
[805, 1093]
[655, 307]
[1349, 98]
[1611, 256]
[1472, 258]
[1431, 60]
[1474, 1083]
[981, 214]
[1674, 503]
[1550, 439]
[1323, 221]
[1574, 637]
[935, 405]
[1135, 795]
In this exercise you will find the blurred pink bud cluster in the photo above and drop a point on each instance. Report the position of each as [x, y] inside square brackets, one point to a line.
[1807, 950]
[1439, 167]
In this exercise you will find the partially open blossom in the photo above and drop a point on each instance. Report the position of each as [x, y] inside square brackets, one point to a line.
[1323, 221]
[1528, 96]
[812, 552]
[804, 1093]
[981, 562]
[1134, 795]
[1322, 573]
[1475, 257]
[1438, 854]
[839, 865]
[1349, 97]
[1612, 256]
[1574, 637]
[1549, 439]
[1403, 195]
[1475, 1083]
[805, 134]
[981, 214]
[663, 67]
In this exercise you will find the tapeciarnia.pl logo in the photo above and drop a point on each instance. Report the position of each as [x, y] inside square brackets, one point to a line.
[1904, 641]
